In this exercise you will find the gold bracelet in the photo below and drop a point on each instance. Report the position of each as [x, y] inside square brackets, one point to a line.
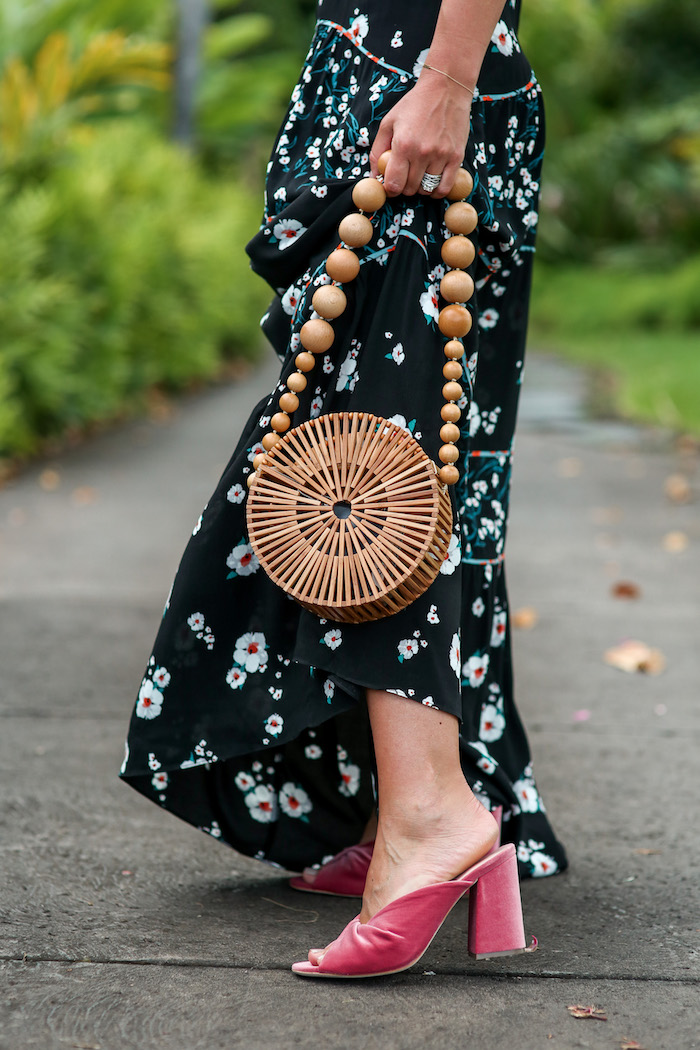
[458, 82]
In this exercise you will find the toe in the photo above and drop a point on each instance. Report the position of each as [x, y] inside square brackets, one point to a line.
[316, 955]
[309, 875]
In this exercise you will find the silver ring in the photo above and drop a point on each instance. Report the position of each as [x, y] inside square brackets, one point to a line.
[430, 182]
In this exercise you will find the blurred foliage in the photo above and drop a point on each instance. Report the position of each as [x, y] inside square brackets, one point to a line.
[121, 271]
[622, 89]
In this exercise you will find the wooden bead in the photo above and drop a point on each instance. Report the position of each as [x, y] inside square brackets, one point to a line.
[461, 217]
[304, 361]
[456, 286]
[252, 477]
[368, 194]
[454, 349]
[270, 440]
[290, 402]
[450, 413]
[449, 453]
[458, 252]
[280, 422]
[450, 370]
[329, 301]
[342, 265]
[296, 382]
[448, 474]
[259, 460]
[356, 230]
[383, 161]
[449, 432]
[451, 391]
[317, 335]
[453, 320]
[462, 186]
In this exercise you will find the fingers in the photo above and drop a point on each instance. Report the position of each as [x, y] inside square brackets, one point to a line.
[381, 144]
[447, 181]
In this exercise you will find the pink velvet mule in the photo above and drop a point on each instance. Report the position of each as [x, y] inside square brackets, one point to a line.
[345, 875]
[399, 934]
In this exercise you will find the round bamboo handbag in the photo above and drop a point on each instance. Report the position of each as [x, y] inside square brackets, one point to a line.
[346, 512]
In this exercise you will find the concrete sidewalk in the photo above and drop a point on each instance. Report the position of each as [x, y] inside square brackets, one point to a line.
[123, 928]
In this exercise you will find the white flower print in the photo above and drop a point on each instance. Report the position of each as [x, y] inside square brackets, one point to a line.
[432, 616]
[492, 723]
[452, 557]
[244, 781]
[429, 303]
[274, 725]
[198, 526]
[332, 638]
[428, 702]
[530, 219]
[527, 795]
[486, 763]
[243, 560]
[159, 781]
[454, 654]
[319, 191]
[488, 318]
[294, 801]
[153, 762]
[236, 677]
[236, 494]
[478, 607]
[349, 779]
[313, 751]
[398, 354]
[287, 231]
[542, 864]
[502, 39]
[161, 677]
[290, 299]
[262, 803]
[396, 40]
[475, 669]
[347, 374]
[408, 647]
[359, 28]
[196, 621]
[250, 651]
[498, 630]
[329, 689]
[150, 700]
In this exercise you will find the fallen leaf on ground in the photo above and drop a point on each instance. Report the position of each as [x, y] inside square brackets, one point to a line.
[630, 1044]
[660, 710]
[587, 1011]
[607, 515]
[632, 655]
[582, 715]
[625, 589]
[677, 488]
[569, 467]
[675, 542]
[49, 480]
[83, 495]
[644, 852]
[525, 618]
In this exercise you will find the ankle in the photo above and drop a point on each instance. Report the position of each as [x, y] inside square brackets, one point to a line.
[435, 814]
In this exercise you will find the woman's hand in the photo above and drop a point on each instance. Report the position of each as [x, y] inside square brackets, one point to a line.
[426, 131]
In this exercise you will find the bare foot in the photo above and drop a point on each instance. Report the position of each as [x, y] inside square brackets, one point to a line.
[435, 844]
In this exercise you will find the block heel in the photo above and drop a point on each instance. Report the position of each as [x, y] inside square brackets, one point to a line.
[496, 912]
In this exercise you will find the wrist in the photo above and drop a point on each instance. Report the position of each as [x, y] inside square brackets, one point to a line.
[453, 87]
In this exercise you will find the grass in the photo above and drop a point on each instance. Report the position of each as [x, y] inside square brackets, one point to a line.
[640, 331]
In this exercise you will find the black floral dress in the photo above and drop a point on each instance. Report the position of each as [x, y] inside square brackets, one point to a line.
[249, 722]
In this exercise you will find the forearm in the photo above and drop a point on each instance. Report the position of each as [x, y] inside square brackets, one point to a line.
[462, 36]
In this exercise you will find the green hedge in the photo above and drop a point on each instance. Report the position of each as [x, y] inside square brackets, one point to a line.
[123, 268]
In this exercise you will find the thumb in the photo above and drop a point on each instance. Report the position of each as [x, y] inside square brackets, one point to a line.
[381, 143]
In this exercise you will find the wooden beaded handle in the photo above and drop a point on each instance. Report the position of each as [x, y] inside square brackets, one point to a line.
[329, 302]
